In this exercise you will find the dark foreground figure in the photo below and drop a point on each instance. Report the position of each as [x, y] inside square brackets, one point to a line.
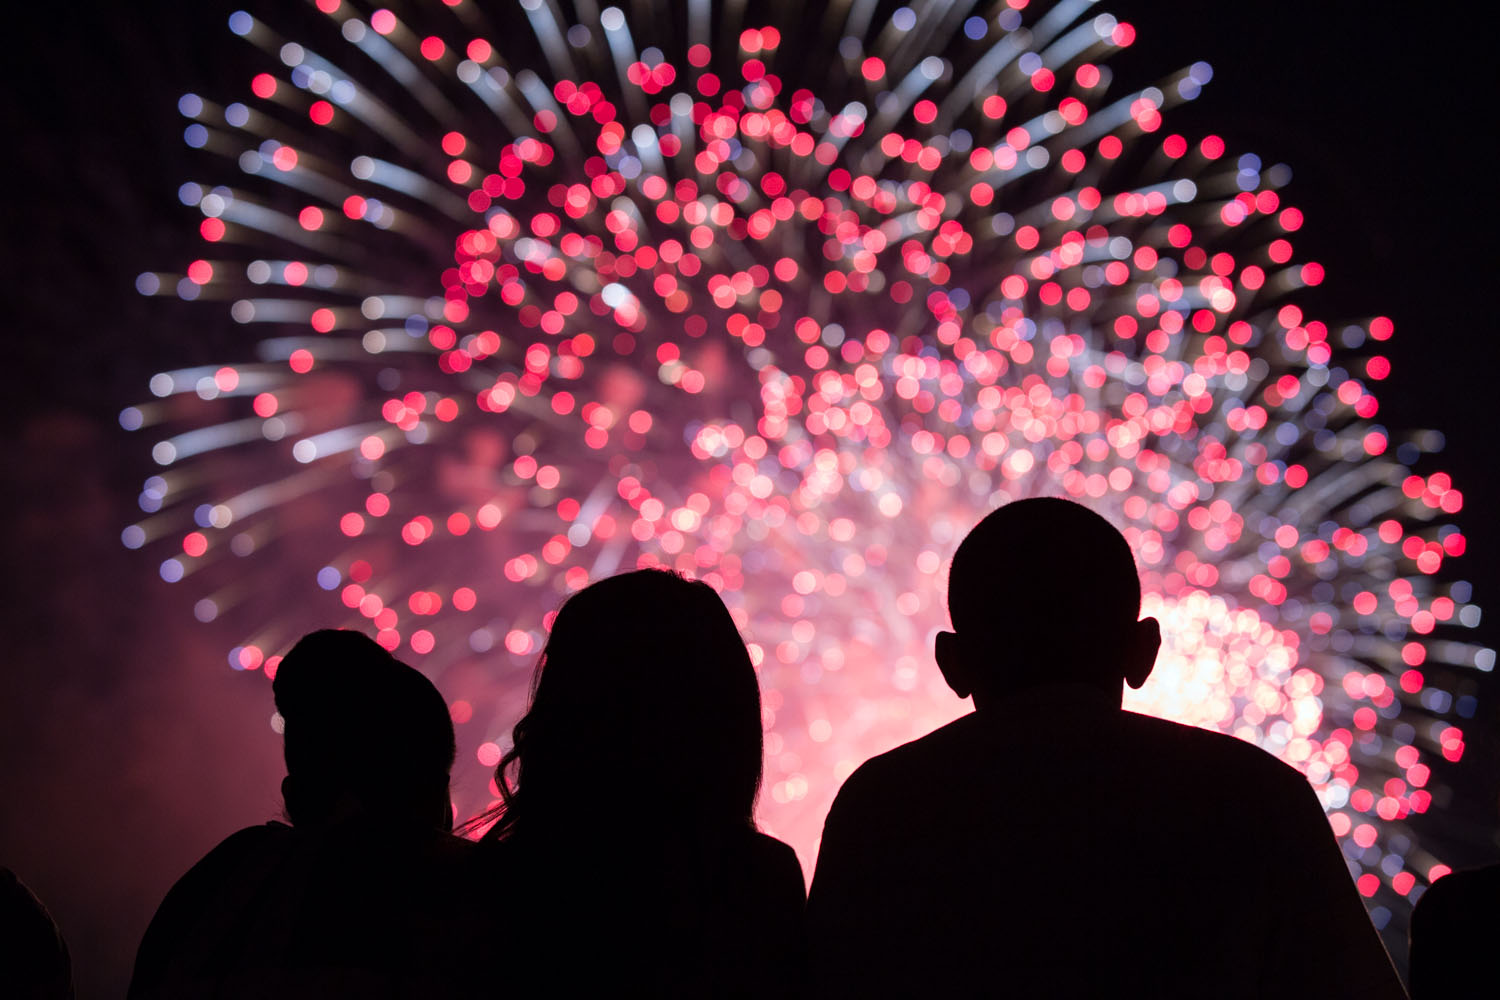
[625, 845]
[367, 894]
[1454, 930]
[1052, 845]
[34, 962]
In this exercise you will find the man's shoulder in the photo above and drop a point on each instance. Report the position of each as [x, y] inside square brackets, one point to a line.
[1207, 749]
[919, 756]
[1117, 736]
[1461, 890]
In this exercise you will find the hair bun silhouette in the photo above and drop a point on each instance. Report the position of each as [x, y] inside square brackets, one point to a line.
[356, 718]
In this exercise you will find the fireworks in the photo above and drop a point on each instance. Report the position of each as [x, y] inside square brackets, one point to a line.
[787, 301]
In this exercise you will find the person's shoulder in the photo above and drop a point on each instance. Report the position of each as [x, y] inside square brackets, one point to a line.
[1458, 890]
[770, 854]
[771, 871]
[1485, 880]
[251, 842]
[451, 845]
[439, 844]
[244, 857]
[917, 756]
[1210, 750]
[245, 851]
[272, 832]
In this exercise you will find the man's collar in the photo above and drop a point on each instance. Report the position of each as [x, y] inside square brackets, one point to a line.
[1068, 694]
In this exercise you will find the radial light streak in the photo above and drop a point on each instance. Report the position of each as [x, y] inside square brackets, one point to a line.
[788, 307]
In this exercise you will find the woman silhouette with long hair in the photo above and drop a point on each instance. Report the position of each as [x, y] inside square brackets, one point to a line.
[625, 828]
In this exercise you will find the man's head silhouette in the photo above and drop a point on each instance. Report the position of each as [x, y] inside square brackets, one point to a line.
[1044, 591]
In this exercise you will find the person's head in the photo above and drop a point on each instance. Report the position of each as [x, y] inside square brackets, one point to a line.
[362, 732]
[1044, 591]
[645, 708]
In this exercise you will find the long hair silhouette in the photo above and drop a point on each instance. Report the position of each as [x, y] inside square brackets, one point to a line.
[644, 704]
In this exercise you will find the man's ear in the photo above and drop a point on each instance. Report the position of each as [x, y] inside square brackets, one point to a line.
[949, 651]
[1140, 656]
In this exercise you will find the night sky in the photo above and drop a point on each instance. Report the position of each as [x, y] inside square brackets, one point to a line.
[127, 749]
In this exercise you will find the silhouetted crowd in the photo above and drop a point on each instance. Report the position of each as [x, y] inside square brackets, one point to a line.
[1048, 844]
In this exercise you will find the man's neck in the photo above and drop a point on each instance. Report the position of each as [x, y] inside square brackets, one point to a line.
[1067, 692]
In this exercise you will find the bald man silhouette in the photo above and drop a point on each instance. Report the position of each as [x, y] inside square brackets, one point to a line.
[1051, 843]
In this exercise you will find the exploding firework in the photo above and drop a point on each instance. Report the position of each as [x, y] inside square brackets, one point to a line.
[787, 302]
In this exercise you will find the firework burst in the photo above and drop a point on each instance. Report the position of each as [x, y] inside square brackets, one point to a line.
[787, 301]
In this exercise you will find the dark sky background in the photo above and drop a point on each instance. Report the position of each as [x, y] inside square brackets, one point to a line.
[126, 747]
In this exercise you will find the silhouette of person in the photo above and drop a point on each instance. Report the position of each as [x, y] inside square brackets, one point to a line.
[34, 962]
[626, 830]
[1453, 928]
[1050, 843]
[367, 893]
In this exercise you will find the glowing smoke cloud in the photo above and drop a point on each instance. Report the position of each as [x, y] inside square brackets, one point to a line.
[530, 298]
